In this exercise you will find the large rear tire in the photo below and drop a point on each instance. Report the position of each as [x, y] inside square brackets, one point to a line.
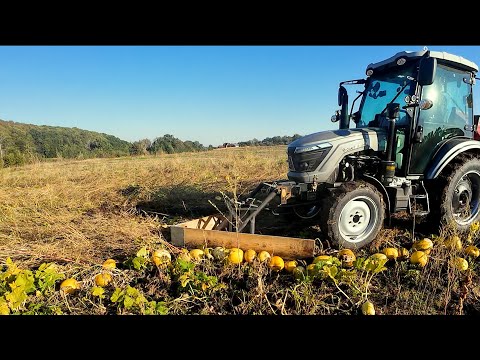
[353, 215]
[457, 199]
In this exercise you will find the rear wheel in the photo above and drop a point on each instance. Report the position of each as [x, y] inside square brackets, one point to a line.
[353, 215]
[459, 202]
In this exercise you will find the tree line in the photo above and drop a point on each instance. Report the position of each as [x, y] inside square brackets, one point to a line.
[25, 143]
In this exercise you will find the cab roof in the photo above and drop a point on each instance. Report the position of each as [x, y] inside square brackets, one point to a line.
[443, 57]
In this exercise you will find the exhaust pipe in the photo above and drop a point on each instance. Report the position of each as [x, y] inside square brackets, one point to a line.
[388, 164]
[343, 102]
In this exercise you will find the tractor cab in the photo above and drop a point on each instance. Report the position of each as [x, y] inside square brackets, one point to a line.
[432, 93]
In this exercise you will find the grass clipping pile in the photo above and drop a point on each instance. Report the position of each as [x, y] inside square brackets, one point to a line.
[434, 275]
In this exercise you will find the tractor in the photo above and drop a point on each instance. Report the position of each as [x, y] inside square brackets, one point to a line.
[410, 145]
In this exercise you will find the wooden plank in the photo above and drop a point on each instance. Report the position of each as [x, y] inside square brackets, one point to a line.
[286, 247]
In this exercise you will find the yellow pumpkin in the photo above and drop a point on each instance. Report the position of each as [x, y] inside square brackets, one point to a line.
[290, 265]
[347, 257]
[263, 255]
[184, 255]
[378, 257]
[250, 255]
[276, 263]
[161, 257]
[390, 253]
[109, 264]
[453, 243]
[419, 258]
[368, 308]
[472, 251]
[403, 254]
[424, 245]
[196, 254]
[326, 258]
[69, 286]
[460, 263]
[235, 256]
[103, 279]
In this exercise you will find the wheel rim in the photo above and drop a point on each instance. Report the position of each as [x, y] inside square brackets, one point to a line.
[465, 199]
[358, 219]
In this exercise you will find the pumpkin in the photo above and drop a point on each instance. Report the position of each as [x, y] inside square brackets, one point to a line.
[419, 258]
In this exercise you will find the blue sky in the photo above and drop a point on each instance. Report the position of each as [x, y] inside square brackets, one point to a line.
[212, 94]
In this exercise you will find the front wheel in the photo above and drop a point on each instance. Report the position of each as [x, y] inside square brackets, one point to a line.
[353, 215]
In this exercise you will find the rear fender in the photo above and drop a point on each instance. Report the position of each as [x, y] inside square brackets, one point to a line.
[450, 150]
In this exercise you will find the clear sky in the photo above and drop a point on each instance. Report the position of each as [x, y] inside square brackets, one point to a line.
[213, 94]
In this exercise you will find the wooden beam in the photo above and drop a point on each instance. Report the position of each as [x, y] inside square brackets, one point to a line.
[198, 233]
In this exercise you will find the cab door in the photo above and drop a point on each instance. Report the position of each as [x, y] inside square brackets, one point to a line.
[450, 116]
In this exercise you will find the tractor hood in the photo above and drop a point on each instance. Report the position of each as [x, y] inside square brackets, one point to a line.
[316, 157]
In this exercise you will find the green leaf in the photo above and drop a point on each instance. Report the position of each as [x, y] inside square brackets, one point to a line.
[336, 261]
[98, 291]
[331, 271]
[128, 302]
[184, 265]
[12, 270]
[16, 298]
[139, 262]
[161, 308]
[143, 252]
[117, 295]
[25, 280]
[184, 279]
[359, 263]
[370, 265]
[4, 309]
[131, 291]
[380, 266]
[140, 299]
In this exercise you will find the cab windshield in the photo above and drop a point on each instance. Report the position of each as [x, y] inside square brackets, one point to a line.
[380, 89]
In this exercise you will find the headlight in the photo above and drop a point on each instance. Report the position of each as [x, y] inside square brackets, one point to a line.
[302, 149]
[307, 158]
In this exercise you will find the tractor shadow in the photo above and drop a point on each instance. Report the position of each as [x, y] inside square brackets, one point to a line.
[176, 204]
[181, 202]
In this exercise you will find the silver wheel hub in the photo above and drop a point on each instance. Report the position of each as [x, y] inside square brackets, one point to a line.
[358, 219]
[466, 198]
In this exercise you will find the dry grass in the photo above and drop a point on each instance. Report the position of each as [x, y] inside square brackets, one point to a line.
[85, 211]
[78, 213]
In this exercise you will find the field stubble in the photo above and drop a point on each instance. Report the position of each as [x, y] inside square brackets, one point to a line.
[78, 213]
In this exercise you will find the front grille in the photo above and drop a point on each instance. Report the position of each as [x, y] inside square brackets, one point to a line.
[313, 158]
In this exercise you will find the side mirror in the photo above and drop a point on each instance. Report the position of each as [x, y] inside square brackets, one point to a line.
[427, 71]
[341, 94]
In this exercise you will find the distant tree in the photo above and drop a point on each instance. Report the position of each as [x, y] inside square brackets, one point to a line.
[23, 143]
[140, 147]
[269, 141]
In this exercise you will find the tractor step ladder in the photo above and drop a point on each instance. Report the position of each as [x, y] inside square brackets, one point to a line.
[423, 197]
